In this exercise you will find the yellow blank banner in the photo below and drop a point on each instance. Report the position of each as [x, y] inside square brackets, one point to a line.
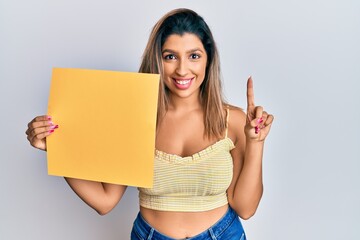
[107, 122]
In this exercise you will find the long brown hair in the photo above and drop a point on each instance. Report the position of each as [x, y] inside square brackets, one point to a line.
[180, 21]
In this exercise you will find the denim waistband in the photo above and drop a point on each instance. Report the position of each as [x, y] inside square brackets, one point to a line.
[215, 230]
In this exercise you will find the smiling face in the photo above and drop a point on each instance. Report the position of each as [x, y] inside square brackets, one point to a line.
[184, 64]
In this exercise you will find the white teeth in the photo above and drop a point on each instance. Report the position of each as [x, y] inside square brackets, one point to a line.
[181, 82]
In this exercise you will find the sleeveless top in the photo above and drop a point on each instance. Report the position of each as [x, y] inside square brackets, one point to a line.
[193, 183]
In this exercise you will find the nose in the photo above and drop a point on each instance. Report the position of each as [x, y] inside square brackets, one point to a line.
[181, 68]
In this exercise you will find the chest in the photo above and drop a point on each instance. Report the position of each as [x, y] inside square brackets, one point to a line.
[182, 136]
[205, 173]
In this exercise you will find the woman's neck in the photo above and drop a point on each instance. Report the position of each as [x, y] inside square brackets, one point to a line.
[184, 104]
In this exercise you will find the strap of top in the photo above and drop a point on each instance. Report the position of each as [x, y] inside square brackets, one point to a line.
[227, 121]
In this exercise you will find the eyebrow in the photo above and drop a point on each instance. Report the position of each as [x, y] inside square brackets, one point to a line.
[189, 51]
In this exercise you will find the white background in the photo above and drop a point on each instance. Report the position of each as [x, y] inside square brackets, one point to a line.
[304, 57]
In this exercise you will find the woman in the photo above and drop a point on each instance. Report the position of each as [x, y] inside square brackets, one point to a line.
[208, 157]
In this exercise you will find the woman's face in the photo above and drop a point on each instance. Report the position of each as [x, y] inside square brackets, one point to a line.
[184, 64]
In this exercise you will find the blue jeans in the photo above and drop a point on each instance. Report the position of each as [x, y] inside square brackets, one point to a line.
[227, 228]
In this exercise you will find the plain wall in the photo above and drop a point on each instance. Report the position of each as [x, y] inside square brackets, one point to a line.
[304, 58]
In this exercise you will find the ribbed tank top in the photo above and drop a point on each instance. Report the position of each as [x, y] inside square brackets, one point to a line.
[193, 183]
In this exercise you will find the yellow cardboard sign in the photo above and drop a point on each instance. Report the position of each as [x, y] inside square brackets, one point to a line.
[107, 123]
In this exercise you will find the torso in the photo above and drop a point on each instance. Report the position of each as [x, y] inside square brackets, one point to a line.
[182, 135]
[187, 224]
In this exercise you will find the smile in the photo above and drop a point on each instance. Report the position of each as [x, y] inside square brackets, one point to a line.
[182, 83]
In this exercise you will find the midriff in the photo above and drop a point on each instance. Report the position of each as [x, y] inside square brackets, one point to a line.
[182, 224]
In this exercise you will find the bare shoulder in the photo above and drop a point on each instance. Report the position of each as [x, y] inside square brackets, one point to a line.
[237, 121]
[237, 116]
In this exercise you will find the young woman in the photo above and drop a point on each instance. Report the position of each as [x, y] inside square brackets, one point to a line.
[208, 156]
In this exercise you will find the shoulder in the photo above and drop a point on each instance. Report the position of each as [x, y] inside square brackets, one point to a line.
[237, 116]
[236, 122]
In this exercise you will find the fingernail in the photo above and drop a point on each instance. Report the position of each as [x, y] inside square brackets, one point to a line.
[260, 120]
[257, 129]
[51, 123]
[51, 131]
[49, 117]
[54, 127]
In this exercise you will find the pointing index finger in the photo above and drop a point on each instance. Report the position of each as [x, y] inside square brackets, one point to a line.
[250, 93]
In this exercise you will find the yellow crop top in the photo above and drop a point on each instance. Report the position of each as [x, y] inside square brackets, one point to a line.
[193, 183]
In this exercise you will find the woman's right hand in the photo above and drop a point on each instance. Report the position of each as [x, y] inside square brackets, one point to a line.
[38, 129]
[100, 196]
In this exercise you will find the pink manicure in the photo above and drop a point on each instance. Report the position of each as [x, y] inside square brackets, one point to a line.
[257, 129]
[51, 131]
[49, 117]
[54, 127]
[260, 120]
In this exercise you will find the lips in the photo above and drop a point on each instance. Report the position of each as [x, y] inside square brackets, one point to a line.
[183, 83]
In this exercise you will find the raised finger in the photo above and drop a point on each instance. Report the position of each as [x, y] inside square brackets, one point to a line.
[258, 117]
[250, 93]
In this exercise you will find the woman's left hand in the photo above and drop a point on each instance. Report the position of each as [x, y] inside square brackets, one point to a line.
[258, 121]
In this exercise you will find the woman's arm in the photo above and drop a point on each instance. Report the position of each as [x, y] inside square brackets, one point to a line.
[245, 191]
[102, 197]
[249, 131]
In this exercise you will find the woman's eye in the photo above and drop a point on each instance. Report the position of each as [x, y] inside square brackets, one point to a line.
[194, 56]
[170, 57]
